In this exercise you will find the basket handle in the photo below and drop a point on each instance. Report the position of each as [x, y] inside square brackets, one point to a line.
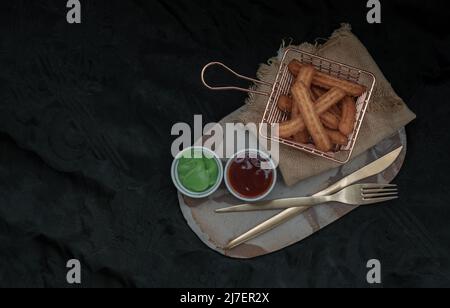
[231, 87]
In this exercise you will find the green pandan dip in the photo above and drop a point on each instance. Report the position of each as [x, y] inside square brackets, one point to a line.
[196, 172]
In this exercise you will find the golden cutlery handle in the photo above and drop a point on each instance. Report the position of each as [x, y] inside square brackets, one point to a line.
[267, 226]
[282, 204]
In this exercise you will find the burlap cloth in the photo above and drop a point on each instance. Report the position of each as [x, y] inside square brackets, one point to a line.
[386, 115]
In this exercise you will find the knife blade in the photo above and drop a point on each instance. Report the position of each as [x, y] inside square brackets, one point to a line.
[372, 169]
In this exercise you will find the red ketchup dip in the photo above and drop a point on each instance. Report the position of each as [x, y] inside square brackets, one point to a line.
[247, 178]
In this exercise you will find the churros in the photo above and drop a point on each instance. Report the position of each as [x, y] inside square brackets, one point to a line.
[322, 105]
[337, 138]
[336, 111]
[295, 112]
[294, 67]
[297, 124]
[290, 128]
[318, 92]
[306, 75]
[325, 103]
[302, 98]
[302, 137]
[330, 121]
[329, 99]
[327, 81]
[285, 103]
[322, 108]
[349, 111]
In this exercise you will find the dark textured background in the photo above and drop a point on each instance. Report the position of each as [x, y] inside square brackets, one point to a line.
[85, 118]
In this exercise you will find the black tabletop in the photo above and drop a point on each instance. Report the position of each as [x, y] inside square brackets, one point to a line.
[86, 112]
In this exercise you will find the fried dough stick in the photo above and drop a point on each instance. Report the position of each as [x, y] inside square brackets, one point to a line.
[285, 103]
[305, 75]
[302, 136]
[337, 138]
[327, 81]
[302, 98]
[348, 116]
[323, 104]
[318, 92]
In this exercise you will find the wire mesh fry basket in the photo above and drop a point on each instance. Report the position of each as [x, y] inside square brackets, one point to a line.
[282, 85]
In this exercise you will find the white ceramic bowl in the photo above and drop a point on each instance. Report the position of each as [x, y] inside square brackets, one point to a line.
[191, 194]
[238, 195]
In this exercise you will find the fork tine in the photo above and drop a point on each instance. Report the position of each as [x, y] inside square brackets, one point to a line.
[379, 195]
[382, 190]
[378, 186]
[378, 200]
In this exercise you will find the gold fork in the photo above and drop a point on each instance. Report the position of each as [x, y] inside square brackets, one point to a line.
[361, 194]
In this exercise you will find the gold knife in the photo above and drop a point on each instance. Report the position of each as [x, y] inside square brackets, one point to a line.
[370, 170]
